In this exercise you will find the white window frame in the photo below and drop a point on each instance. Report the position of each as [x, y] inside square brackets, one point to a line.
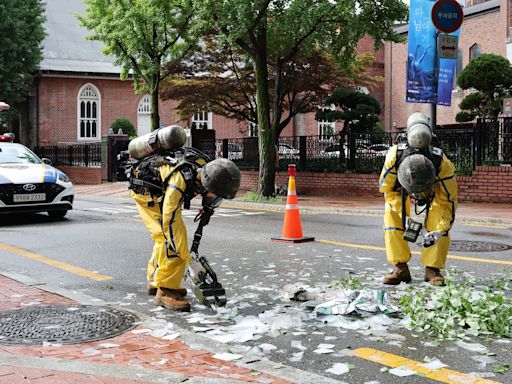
[252, 129]
[323, 124]
[202, 117]
[144, 107]
[88, 93]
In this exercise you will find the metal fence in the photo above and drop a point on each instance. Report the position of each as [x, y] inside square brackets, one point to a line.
[76, 155]
[489, 142]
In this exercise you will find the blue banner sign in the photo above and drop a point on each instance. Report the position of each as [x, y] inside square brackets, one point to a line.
[445, 81]
[421, 84]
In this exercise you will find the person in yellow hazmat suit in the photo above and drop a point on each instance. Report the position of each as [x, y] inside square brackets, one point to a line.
[418, 176]
[180, 181]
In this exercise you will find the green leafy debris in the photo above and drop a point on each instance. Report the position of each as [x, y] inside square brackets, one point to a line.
[460, 308]
[501, 368]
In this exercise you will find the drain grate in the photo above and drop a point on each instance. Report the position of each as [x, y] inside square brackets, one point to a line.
[63, 324]
[478, 246]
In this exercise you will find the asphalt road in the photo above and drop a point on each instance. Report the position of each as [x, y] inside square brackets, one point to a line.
[103, 247]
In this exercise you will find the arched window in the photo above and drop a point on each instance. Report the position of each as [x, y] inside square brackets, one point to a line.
[144, 116]
[474, 51]
[89, 113]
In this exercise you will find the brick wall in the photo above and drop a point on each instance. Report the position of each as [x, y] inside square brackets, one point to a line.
[486, 184]
[82, 175]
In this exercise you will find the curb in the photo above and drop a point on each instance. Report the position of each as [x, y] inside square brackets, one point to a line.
[349, 211]
[194, 340]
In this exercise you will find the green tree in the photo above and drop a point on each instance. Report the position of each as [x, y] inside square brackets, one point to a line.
[125, 126]
[490, 76]
[357, 110]
[143, 36]
[21, 34]
[221, 80]
[275, 32]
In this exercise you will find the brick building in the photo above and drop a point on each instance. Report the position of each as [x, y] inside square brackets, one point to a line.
[78, 94]
[486, 29]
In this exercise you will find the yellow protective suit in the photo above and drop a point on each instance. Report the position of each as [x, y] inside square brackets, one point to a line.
[170, 255]
[440, 215]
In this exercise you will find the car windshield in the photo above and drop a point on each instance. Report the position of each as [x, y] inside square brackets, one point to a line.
[17, 154]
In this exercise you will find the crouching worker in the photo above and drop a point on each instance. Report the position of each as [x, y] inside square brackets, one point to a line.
[161, 184]
[418, 180]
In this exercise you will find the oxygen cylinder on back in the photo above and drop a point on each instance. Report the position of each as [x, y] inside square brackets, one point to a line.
[162, 139]
[419, 134]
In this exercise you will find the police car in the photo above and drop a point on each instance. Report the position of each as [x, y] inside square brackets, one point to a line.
[29, 184]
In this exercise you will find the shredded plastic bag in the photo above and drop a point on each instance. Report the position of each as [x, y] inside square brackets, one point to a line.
[359, 302]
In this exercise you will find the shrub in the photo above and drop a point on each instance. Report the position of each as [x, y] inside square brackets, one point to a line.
[125, 125]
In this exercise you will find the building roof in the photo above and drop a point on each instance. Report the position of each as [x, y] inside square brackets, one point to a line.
[65, 48]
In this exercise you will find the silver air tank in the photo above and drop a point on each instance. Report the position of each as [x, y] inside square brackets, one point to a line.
[419, 134]
[162, 139]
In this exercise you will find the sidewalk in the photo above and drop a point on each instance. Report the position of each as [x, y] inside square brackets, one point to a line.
[353, 204]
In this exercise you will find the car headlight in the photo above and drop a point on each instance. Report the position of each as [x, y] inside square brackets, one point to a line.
[63, 177]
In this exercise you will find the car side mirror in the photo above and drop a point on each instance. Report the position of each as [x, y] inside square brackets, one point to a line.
[46, 160]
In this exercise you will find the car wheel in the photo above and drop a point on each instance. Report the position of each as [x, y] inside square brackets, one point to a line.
[57, 214]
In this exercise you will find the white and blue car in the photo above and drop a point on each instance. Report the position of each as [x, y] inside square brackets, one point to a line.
[29, 184]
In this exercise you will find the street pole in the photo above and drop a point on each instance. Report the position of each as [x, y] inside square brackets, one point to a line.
[433, 106]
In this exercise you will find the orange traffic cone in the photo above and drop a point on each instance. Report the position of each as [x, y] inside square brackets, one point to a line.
[292, 228]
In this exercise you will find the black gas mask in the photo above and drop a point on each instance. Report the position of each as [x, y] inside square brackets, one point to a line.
[211, 201]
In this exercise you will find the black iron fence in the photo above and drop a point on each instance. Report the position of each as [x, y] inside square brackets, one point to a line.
[76, 155]
[489, 142]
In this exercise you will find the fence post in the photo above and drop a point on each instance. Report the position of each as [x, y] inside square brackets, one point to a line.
[302, 153]
[86, 155]
[225, 148]
[478, 142]
[70, 155]
[351, 164]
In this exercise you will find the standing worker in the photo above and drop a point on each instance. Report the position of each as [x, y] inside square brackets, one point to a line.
[161, 184]
[419, 176]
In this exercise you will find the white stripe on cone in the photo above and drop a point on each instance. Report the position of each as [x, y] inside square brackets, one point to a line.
[292, 206]
[292, 193]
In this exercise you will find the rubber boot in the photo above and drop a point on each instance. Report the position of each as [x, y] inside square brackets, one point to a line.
[400, 273]
[433, 276]
[181, 291]
[170, 299]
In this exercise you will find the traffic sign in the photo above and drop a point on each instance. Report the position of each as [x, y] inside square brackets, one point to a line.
[447, 15]
[507, 107]
[447, 46]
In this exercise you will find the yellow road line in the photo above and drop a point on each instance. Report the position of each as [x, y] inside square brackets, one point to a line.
[55, 263]
[455, 257]
[442, 375]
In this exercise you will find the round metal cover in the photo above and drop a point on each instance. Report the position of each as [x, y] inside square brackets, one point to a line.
[63, 324]
[478, 246]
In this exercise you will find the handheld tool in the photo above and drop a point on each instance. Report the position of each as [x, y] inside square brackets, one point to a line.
[207, 289]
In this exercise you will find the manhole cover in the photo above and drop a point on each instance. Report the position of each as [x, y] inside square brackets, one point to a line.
[63, 324]
[478, 246]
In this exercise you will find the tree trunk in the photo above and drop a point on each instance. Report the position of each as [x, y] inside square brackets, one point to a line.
[155, 114]
[266, 134]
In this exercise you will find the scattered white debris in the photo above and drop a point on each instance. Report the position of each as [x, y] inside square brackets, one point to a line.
[298, 345]
[433, 364]
[402, 371]
[226, 356]
[338, 369]
[91, 352]
[473, 347]
[108, 345]
[267, 347]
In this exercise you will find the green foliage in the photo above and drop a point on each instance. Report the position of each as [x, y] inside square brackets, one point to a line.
[460, 309]
[274, 33]
[347, 282]
[125, 125]
[21, 34]
[143, 36]
[490, 76]
[252, 196]
[359, 110]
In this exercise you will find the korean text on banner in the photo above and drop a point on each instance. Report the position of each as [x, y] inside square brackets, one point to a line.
[421, 84]
[446, 77]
